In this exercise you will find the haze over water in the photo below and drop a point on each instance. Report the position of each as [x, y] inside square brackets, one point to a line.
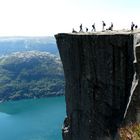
[39, 119]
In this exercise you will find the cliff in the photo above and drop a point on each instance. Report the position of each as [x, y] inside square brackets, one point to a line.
[101, 73]
[133, 113]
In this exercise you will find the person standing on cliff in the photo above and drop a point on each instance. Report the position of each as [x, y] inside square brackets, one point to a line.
[103, 23]
[136, 26]
[73, 31]
[132, 26]
[81, 28]
[93, 28]
[111, 27]
[86, 29]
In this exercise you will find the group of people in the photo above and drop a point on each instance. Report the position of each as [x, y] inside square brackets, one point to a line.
[133, 26]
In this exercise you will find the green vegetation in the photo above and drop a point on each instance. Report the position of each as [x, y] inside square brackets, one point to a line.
[30, 74]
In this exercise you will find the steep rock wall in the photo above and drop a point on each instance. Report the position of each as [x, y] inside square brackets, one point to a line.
[99, 72]
[133, 111]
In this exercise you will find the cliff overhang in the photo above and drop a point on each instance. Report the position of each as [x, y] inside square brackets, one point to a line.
[102, 90]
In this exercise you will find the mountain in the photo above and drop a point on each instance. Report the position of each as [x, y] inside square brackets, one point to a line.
[30, 74]
[9, 45]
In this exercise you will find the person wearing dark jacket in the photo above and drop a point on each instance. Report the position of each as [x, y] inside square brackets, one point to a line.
[81, 28]
[132, 26]
[93, 28]
[103, 23]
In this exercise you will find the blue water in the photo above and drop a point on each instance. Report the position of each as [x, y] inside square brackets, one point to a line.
[39, 119]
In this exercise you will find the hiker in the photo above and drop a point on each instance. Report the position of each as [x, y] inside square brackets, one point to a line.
[81, 28]
[111, 27]
[132, 26]
[73, 31]
[136, 26]
[93, 28]
[86, 29]
[103, 23]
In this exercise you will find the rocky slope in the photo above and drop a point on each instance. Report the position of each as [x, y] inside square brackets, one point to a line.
[30, 74]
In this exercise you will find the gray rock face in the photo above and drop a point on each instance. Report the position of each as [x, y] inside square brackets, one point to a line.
[133, 112]
[99, 71]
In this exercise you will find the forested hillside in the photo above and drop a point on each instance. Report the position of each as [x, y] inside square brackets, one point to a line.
[31, 74]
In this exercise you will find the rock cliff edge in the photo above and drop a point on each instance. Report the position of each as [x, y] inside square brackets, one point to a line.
[102, 89]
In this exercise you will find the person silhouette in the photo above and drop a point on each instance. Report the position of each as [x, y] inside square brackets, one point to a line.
[103, 24]
[111, 27]
[81, 28]
[93, 28]
[136, 26]
[86, 29]
[132, 26]
[73, 31]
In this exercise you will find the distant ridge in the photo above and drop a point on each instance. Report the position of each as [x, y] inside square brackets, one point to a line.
[10, 45]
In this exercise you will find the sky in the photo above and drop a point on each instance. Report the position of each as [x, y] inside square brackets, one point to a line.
[49, 17]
